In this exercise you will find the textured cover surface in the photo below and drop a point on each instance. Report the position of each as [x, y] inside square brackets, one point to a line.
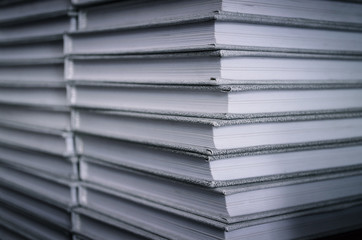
[239, 17]
[233, 18]
[217, 55]
[51, 185]
[241, 183]
[223, 222]
[228, 122]
[222, 154]
[147, 198]
[217, 89]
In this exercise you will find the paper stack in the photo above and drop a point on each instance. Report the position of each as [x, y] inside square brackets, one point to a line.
[217, 119]
[221, 119]
[38, 163]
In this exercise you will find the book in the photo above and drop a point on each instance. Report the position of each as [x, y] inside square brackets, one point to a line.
[218, 101]
[29, 29]
[36, 206]
[219, 134]
[230, 32]
[54, 117]
[57, 190]
[215, 169]
[101, 228]
[15, 11]
[227, 204]
[42, 48]
[41, 95]
[148, 219]
[39, 139]
[216, 67]
[32, 227]
[48, 70]
[9, 233]
[132, 13]
[52, 164]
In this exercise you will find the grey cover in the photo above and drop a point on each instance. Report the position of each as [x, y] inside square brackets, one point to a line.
[138, 183]
[177, 10]
[11, 233]
[30, 50]
[209, 89]
[88, 224]
[54, 26]
[228, 122]
[215, 155]
[88, 2]
[74, 42]
[57, 117]
[221, 87]
[42, 70]
[46, 94]
[33, 227]
[61, 192]
[208, 225]
[62, 167]
[219, 53]
[32, 85]
[78, 127]
[209, 78]
[217, 183]
[25, 10]
[36, 207]
[233, 17]
[40, 139]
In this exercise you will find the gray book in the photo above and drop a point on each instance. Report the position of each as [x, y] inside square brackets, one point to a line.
[225, 101]
[23, 10]
[59, 191]
[89, 225]
[226, 204]
[37, 206]
[42, 70]
[33, 227]
[226, 32]
[35, 95]
[62, 167]
[240, 166]
[131, 13]
[39, 139]
[147, 219]
[42, 48]
[216, 67]
[47, 117]
[219, 134]
[37, 28]
[11, 232]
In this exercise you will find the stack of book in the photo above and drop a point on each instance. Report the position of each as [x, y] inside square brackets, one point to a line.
[217, 119]
[180, 119]
[38, 166]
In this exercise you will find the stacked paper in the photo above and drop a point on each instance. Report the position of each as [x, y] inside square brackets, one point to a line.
[38, 161]
[219, 119]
